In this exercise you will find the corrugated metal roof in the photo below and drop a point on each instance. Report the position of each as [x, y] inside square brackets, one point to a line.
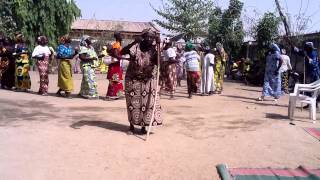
[111, 25]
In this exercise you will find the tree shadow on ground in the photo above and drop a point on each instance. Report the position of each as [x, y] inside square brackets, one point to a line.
[13, 111]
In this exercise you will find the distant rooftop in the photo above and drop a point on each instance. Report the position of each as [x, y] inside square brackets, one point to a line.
[111, 25]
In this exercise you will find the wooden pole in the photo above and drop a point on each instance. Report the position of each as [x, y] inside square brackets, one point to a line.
[157, 86]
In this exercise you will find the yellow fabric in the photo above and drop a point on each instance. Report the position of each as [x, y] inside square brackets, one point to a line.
[65, 81]
[219, 71]
[102, 66]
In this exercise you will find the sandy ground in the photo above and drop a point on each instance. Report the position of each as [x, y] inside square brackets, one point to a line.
[51, 138]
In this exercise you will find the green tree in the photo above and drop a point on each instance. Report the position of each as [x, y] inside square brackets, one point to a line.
[34, 18]
[7, 25]
[267, 30]
[226, 27]
[185, 17]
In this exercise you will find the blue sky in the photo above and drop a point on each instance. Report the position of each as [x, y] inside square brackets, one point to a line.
[140, 10]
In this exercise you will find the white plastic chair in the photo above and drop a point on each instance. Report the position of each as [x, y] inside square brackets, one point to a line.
[296, 96]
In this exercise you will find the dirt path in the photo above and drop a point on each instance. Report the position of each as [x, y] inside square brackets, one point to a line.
[54, 138]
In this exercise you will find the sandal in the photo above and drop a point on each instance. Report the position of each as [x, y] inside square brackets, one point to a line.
[260, 99]
[143, 130]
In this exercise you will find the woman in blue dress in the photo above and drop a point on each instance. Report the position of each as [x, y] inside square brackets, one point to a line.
[272, 77]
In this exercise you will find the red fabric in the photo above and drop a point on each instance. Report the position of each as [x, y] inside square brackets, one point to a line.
[115, 89]
[115, 72]
[315, 132]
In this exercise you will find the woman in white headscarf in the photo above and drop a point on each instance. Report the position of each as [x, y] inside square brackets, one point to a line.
[88, 64]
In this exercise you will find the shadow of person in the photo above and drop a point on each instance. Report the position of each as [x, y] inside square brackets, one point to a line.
[239, 97]
[277, 116]
[101, 124]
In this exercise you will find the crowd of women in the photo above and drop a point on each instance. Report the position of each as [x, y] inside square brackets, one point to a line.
[147, 70]
[204, 74]
[141, 82]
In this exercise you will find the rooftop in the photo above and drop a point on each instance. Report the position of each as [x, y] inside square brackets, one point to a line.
[111, 25]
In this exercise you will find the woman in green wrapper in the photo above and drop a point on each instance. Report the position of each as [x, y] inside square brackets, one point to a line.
[88, 65]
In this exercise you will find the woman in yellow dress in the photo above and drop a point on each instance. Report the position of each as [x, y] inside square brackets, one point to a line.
[65, 54]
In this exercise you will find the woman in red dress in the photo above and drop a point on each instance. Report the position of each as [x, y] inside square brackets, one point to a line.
[115, 88]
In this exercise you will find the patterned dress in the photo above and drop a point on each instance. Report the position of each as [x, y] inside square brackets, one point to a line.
[23, 81]
[169, 71]
[43, 66]
[180, 65]
[140, 88]
[115, 88]
[8, 67]
[88, 83]
[65, 82]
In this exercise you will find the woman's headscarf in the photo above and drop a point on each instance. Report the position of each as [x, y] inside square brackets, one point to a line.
[149, 32]
[42, 40]
[309, 45]
[219, 47]
[19, 37]
[65, 39]
[274, 47]
[84, 39]
[189, 46]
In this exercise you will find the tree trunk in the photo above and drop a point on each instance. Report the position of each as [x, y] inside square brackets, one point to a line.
[284, 19]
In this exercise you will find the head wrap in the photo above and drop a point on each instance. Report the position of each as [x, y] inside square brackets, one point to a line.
[19, 35]
[84, 39]
[42, 40]
[274, 47]
[309, 45]
[148, 31]
[219, 47]
[189, 46]
[65, 39]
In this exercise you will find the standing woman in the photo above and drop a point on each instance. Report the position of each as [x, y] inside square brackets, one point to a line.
[193, 69]
[170, 69]
[88, 64]
[65, 54]
[115, 88]
[285, 67]
[21, 54]
[207, 82]
[42, 54]
[8, 63]
[272, 76]
[141, 82]
[180, 69]
[220, 67]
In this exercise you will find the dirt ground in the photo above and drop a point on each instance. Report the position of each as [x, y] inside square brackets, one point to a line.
[51, 138]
